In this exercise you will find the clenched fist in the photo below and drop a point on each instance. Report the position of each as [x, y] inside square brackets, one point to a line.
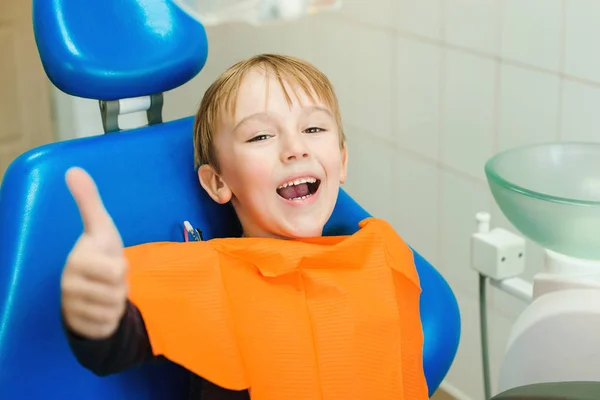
[93, 284]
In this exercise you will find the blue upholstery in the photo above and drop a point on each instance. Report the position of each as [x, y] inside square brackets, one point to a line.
[114, 49]
[149, 186]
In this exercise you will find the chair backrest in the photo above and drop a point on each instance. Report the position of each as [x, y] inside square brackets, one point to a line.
[149, 186]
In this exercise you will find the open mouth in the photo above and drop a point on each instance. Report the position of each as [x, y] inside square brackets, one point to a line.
[299, 189]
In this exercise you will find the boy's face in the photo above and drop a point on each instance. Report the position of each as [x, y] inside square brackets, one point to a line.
[280, 166]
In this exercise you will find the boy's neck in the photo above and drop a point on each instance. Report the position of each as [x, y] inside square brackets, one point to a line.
[245, 235]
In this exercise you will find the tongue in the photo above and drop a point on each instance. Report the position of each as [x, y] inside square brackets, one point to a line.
[292, 192]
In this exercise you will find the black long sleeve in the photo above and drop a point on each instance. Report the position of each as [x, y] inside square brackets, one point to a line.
[128, 347]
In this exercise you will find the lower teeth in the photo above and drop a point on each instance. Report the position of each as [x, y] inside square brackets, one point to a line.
[300, 198]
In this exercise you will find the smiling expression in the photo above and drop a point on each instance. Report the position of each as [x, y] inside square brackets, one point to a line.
[280, 162]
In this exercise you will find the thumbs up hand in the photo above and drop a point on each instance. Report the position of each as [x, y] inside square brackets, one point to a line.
[93, 284]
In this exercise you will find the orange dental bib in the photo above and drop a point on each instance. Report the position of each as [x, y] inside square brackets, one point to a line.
[325, 318]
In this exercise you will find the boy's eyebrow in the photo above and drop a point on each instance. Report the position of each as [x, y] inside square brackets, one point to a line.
[249, 117]
[312, 109]
[308, 110]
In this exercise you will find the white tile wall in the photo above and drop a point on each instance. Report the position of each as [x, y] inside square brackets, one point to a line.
[334, 55]
[374, 12]
[370, 179]
[468, 112]
[429, 90]
[422, 18]
[581, 112]
[531, 32]
[581, 28]
[461, 198]
[529, 107]
[473, 24]
[372, 81]
[417, 89]
[416, 203]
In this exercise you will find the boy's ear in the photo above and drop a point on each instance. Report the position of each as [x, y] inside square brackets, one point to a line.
[216, 187]
[344, 170]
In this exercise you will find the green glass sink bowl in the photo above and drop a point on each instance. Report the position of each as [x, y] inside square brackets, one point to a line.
[551, 194]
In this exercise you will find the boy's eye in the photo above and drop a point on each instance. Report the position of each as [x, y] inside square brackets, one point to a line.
[259, 138]
[314, 130]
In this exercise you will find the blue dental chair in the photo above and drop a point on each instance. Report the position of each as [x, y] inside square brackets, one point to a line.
[110, 50]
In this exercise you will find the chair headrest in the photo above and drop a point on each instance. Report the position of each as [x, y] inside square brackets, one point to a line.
[116, 49]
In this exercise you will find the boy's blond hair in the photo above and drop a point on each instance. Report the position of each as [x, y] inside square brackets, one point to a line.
[220, 97]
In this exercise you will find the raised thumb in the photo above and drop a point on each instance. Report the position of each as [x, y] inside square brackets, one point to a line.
[96, 220]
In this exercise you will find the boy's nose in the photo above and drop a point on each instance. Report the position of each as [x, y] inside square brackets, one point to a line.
[293, 149]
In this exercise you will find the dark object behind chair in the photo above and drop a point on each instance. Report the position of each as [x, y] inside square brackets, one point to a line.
[553, 391]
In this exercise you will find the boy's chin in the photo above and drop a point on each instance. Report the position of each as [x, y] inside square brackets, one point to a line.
[305, 233]
[303, 228]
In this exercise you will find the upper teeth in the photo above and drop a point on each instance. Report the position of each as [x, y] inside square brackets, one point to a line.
[297, 182]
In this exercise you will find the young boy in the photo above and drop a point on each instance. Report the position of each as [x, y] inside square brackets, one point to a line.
[281, 313]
